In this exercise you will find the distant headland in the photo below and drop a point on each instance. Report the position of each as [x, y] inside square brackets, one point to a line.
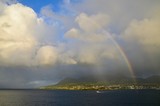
[109, 83]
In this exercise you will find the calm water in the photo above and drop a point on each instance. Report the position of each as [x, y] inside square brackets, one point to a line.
[79, 98]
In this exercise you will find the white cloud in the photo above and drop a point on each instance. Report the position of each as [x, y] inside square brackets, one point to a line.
[121, 12]
[47, 55]
[142, 39]
[27, 40]
[92, 39]
[16, 35]
[72, 33]
[92, 23]
[21, 33]
[146, 32]
[90, 28]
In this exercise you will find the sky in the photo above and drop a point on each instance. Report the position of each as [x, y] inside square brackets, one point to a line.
[43, 42]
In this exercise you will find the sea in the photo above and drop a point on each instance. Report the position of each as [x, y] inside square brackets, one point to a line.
[79, 98]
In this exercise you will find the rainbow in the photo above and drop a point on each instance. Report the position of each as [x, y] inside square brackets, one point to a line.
[130, 68]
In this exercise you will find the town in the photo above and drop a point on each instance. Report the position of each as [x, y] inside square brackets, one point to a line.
[101, 87]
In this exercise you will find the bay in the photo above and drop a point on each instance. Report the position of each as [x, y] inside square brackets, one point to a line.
[79, 98]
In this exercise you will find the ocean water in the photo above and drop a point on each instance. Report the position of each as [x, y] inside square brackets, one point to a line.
[79, 98]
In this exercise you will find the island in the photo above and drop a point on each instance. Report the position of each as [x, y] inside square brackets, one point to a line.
[122, 83]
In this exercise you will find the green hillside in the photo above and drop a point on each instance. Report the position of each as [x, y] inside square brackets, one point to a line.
[109, 83]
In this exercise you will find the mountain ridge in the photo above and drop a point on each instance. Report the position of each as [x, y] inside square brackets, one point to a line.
[91, 82]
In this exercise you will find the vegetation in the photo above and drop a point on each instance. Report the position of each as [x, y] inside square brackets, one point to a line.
[106, 84]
